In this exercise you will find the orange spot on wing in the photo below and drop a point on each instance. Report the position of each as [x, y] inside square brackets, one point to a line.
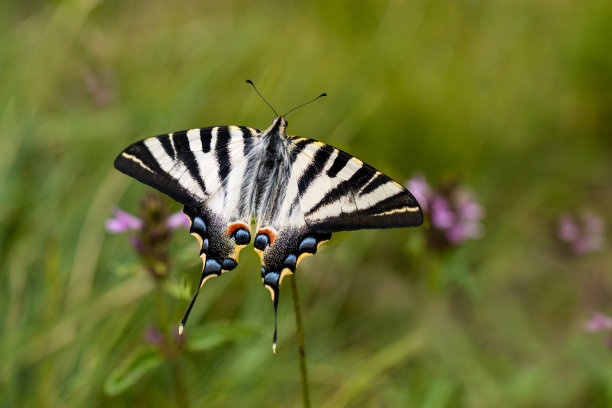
[233, 227]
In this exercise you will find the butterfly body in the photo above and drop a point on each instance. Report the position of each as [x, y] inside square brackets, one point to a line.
[298, 190]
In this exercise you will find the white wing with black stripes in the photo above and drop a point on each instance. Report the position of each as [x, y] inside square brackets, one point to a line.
[339, 192]
[299, 191]
[189, 165]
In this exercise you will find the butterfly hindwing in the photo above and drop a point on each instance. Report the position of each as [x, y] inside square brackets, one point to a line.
[220, 240]
[220, 245]
[281, 251]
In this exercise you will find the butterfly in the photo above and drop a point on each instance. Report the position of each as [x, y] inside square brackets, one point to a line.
[297, 190]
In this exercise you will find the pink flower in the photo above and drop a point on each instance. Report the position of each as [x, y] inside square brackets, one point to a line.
[123, 222]
[567, 229]
[442, 216]
[420, 189]
[177, 220]
[598, 322]
[453, 211]
[583, 234]
[469, 213]
[150, 233]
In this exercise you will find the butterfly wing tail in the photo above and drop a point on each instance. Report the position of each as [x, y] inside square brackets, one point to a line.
[220, 245]
[280, 258]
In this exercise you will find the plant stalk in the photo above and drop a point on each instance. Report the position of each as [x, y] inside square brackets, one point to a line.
[299, 328]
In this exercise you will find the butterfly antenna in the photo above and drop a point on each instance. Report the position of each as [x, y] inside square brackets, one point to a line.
[306, 103]
[264, 99]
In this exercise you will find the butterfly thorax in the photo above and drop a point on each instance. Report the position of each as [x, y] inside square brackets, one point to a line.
[271, 170]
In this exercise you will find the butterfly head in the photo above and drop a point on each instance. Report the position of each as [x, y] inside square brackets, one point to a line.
[278, 127]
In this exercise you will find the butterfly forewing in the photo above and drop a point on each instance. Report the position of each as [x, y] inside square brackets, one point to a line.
[339, 192]
[189, 166]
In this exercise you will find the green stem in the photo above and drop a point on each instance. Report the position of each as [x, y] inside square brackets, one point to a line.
[299, 326]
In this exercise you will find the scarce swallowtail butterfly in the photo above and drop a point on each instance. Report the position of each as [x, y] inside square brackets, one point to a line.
[298, 191]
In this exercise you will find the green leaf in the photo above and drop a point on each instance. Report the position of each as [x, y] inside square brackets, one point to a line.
[131, 370]
[214, 334]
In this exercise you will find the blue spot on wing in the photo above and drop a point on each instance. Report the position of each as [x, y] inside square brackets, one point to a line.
[290, 262]
[308, 244]
[229, 264]
[199, 225]
[242, 236]
[212, 267]
[261, 241]
[204, 246]
[272, 279]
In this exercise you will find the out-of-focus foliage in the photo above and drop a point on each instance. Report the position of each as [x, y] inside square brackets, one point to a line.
[512, 99]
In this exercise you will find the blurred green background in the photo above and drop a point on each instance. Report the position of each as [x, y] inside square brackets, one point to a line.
[512, 98]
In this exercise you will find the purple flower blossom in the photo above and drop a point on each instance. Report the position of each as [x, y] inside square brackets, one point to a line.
[442, 216]
[420, 189]
[598, 322]
[177, 220]
[454, 212]
[583, 234]
[468, 214]
[123, 222]
[151, 232]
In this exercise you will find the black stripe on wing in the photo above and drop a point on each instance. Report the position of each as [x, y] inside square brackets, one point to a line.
[138, 162]
[168, 146]
[315, 168]
[205, 138]
[346, 187]
[338, 164]
[378, 180]
[222, 152]
[248, 140]
[298, 148]
[184, 153]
